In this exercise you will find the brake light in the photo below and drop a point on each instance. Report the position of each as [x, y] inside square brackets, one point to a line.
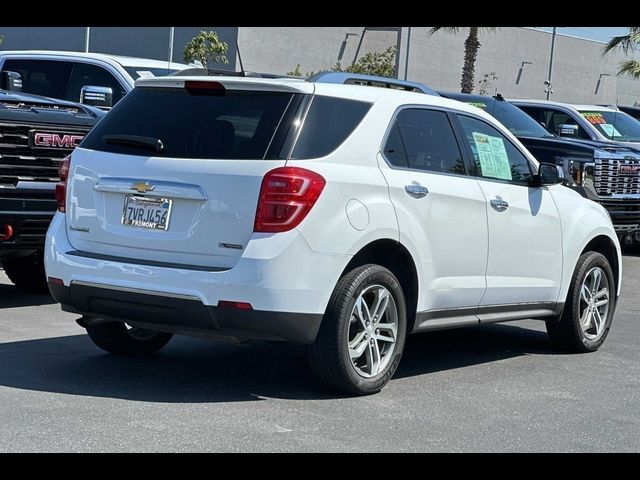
[203, 86]
[287, 195]
[61, 186]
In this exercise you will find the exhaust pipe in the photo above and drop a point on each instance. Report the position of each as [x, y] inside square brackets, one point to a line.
[6, 232]
[85, 321]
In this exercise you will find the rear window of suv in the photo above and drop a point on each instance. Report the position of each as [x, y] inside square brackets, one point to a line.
[231, 124]
[327, 125]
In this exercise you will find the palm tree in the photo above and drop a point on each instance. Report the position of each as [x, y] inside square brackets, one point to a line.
[628, 43]
[471, 47]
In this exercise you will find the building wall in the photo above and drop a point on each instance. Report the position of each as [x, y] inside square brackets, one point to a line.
[581, 74]
[147, 42]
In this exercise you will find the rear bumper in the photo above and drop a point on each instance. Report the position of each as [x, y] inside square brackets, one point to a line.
[184, 315]
[287, 285]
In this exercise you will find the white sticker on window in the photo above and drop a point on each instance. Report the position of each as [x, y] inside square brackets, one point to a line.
[145, 74]
[610, 130]
[492, 155]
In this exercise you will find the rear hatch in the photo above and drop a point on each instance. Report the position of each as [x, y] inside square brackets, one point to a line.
[173, 173]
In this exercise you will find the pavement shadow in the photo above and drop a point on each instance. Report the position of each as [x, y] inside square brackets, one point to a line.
[193, 370]
[12, 297]
[449, 349]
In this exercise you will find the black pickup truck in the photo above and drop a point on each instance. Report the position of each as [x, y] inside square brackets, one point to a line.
[35, 134]
[604, 172]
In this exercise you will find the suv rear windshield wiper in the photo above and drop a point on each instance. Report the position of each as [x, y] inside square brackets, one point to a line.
[148, 143]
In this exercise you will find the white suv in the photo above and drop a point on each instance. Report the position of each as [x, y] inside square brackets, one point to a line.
[340, 217]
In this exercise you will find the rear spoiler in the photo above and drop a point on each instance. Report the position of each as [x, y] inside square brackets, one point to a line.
[231, 82]
[344, 78]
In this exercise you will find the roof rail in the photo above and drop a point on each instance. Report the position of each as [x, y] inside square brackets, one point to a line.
[346, 78]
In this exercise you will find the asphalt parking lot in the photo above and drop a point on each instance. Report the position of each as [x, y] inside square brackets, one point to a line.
[493, 388]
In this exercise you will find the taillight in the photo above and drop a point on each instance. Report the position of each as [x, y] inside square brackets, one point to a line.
[238, 305]
[286, 197]
[61, 186]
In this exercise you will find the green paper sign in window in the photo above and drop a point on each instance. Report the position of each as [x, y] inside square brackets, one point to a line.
[610, 130]
[492, 155]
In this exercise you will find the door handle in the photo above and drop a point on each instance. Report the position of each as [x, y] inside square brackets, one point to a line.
[416, 191]
[499, 204]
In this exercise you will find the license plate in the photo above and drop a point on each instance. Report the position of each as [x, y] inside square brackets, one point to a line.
[146, 212]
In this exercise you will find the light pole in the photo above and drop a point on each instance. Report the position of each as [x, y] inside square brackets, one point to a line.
[87, 34]
[406, 60]
[549, 89]
[171, 32]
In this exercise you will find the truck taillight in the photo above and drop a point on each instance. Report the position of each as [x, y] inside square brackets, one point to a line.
[286, 197]
[61, 186]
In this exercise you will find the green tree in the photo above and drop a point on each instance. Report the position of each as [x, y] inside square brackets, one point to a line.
[628, 44]
[207, 48]
[381, 64]
[1, 39]
[471, 46]
[296, 72]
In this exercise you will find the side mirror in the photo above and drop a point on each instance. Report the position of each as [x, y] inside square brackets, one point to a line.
[101, 97]
[566, 130]
[11, 81]
[550, 174]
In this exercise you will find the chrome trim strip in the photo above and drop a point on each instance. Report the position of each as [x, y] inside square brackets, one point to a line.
[148, 263]
[162, 189]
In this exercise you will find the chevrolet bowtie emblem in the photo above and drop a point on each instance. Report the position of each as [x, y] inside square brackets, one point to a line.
[143, 187]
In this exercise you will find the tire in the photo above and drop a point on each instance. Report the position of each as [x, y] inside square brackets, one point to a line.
[27, 273]
[329, 356]
[116, 338]
[567, 332]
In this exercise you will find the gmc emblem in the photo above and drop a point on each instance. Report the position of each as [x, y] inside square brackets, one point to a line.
[55, 140]
[629, 169]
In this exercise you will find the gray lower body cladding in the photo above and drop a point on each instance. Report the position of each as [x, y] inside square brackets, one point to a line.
[185, 315]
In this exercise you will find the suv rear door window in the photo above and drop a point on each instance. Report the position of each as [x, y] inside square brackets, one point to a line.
[423, 139]
[328, 123]
[49, 78]
[229, 124]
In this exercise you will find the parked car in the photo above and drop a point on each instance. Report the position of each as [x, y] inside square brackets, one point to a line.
[339, 217]
[585, 122]
[95, 78]
[598, 170]
[36, 133]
